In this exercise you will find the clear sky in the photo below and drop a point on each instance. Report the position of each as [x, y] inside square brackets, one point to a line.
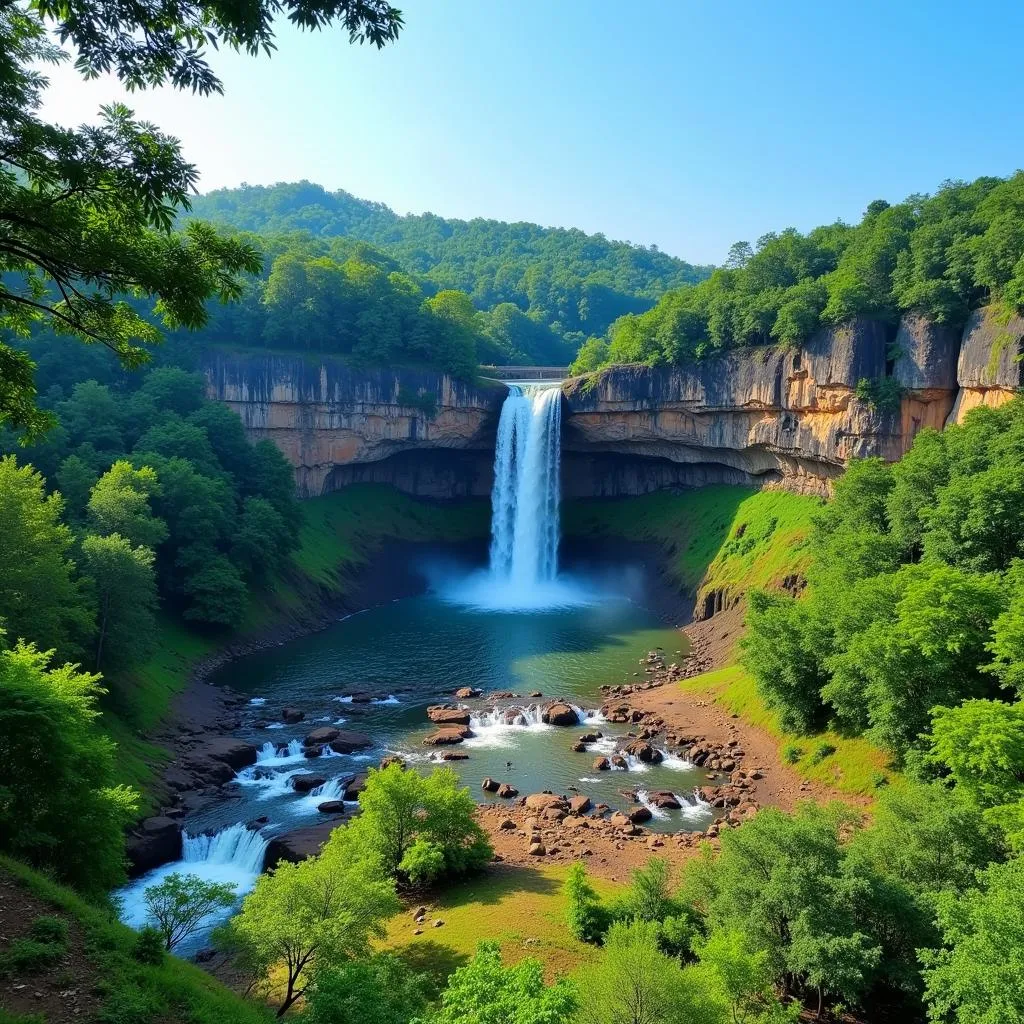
[688, 124]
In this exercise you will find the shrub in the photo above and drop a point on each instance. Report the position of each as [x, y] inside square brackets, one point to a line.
[821, 752]
[149, 947]
[792, 752]
[47, 928]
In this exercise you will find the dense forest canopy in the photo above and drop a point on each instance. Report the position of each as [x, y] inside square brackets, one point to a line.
[570, 282]
[941, 255]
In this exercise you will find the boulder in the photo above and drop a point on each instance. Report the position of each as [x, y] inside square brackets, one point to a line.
[643, 751]
[299, 844]
[467, 692]
[601, 764]
[453, 755]
[448, 735]
[305, 783]
[355, 786]
[318, 737]
[508, 825]
[442, 714]
[553, 813]
[619, 820]
[579, 747]
[391, 759]
[507, 791]
[542, 801]
[347, 742]
[639, 814]
[331, 807]
[560, 713]
[537, 850]
[589, 737]
[489, 785]
[236, 754]
[292, 715]
[664, 799]
[579, 804]
[618, 761]
[575, 821]
[156, 841]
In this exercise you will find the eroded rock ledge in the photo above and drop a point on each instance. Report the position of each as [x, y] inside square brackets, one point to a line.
[767, 416]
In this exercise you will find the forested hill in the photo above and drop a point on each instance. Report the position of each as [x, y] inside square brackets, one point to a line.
[565, 279]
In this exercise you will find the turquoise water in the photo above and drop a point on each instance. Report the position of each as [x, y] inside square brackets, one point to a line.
[416, 652]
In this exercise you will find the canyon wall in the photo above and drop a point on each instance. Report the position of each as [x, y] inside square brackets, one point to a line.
[774, 416]
[337, 424]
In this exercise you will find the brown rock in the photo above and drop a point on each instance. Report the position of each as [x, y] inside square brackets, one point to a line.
[579, 804]
[560, 713]
[466, 693]
[541, 801]
[489, 785]
[332, 807]
[305, 783]
[601, 764]
[347, 742]
[318, 737]
[450, 734]
[507, 791]
[292, 715]
[443, 714]
[537, 850]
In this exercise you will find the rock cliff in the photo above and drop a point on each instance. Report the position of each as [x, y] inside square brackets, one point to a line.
[771, 415]
[335, 424]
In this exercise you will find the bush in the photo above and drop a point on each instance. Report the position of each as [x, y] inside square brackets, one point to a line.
[792, 752]
[585, 918]
[821, 752]
[149, 947]
[53, 930]
[29, 956]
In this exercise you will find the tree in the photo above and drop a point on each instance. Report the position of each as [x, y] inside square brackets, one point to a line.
[636, 983]
[42, 598]
[87, 212]
[584, 916]
[740, 975]
[312, 916]
[119, 503]
[180, 904]
[216, 593]
[380, 989]
[125, 587]
[421, 825]
[75, 480]
[486, 990]
[978, 977]
[59, 806]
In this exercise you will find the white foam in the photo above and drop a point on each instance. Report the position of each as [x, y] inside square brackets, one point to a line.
[675, 763]
[276, 725]
[234, 856]
[257, 702]
[390, 699]
[660, 813]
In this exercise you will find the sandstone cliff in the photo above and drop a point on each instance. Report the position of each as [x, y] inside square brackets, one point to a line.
[773, 414]
[335, 423]
[784, 417]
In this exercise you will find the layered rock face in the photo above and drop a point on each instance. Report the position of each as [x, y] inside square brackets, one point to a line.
[773, 414]
[762, 416]
[336, 424]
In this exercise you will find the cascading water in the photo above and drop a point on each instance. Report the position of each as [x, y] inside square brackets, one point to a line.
[525, 500]
[233, 855]
[527, 491]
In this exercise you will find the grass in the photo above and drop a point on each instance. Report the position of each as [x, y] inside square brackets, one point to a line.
[339, 534]
[521, 908]
[133, 992]
[718, 537]
[855, 766]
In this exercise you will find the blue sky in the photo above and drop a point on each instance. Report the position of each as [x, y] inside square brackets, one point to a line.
[688, 124]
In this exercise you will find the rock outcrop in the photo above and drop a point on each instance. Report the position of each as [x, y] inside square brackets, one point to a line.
[336, 424]
[789, 417]
[772, 414]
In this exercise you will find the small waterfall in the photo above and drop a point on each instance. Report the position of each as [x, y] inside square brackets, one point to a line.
[527, 491]
[237, 845]
[645, 799]
[234, 855]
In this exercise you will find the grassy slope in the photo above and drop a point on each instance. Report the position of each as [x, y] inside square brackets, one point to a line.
[522, 908]
[131, 993]
[736, 539]
[339, 533]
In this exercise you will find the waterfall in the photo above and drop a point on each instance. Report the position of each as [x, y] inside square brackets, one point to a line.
[233, 855]
[526, 494]
[238, 846]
